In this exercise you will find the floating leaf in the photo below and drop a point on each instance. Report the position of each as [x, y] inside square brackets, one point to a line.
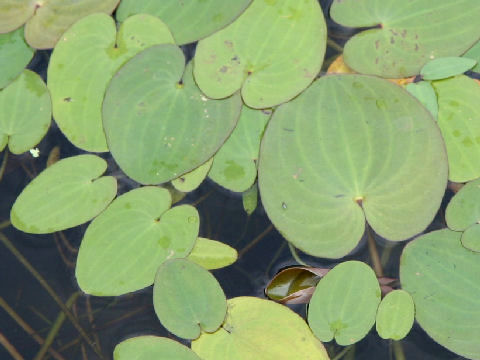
[463, 210]
[442, 277]
[152, 347]
[191, 180]
[459, 121]
[235, 164]
[212, 254]
[188, 299]
[272, 52]
[123, 247]
[344, 303]
[445, 67]
[474, 53]
[424, 92]
[406, 33]
[66, 194]
[395, 315]
[15, 54]
[166, 126]
[471, 238]
[189, 21]
[46, 21]
[250, 199]
[25, 112]
[78, 86]
[350, 148]
[261, 330]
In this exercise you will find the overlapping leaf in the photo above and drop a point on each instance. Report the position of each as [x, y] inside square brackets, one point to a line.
[15, 54]
[425, 93]
[395, 315]
[152, 347]
[191, 180]
[474, 53]
[445, 67]
[212, 254]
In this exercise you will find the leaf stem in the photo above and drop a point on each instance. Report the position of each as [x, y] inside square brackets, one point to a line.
[344, 351]
[334, 45]
[372, 248]
[294, 253]
[4, 164]
[255, 241]
[398, 352]
[10, 348]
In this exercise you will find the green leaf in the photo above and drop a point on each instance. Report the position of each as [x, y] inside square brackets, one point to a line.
[158, 124]
[152, 347]
[123, 247]
[189, 21]
[471, 238]
[395, 315]
[272, 52]
[188, 299]
[212, 254]
[250, 199]
[442, 277]
[191, 180]
[407, 34]
[25, 112]
[425, 93]
[66, 194]
[261, 330]
[344, 303]
[459, 121]
[350, 148]
[78, 86]
[445, 67]
[15, 54]
[235, 164]
[463, 210]
[474, 53]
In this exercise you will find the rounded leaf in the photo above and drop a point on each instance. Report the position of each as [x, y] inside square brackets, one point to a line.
[471, 238]
[152, 347]
[442, 277]
[345, 303]
[272, 52]
[78, 86]
[25, 112]
[348, 148]
[15, 54]
[212, 254]
[66, 194]
[123, 247]
[188, 299]
[445, 67]
[463, 210]
[191, 180]
[157, 122]
[395, 315]
[262, 330]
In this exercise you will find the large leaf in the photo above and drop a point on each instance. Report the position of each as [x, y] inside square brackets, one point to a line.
[351, 147]
[66, 194]
[83, 63]
[189, 21]
[158, 123]
[261, 330]
[152, 348]
[345, 303]
[395, 315]
[46, 21]
[459, 121]
[124, 246]
[15, 54]
[408, 33]
[271, 52]
[188, 299]
[25, 112]
[443, 279]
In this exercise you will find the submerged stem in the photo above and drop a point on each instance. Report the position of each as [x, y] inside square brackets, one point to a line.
[372, 248]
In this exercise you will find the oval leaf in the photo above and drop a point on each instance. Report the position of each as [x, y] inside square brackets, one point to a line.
[15, 54]
[152, 347]
[442, 68]
[261, 330]
[188, 299]
[395, 315]
[250, 199]
[351, 147]
[463, 210]
[442, 277]
[66, 194]
[166, 127]
[425, 93]
[212, 254]
[78, 86]
[123, 247]
[259, 56]
[344, 303]
[471, 238]
[25, 112]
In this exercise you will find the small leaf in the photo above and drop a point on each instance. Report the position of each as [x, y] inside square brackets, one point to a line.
[442, 68]
[474, 53]
[345, 303]
[471, 238]
[212, 254]
[191, 180]
[187, 299]
[463, 210]
[15, 54]
[395, 315]
[425, 93]
[152, 347]
[250, 199]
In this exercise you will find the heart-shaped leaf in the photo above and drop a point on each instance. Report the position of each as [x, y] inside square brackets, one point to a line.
[25, 112]
[350, 148]
[78, 86]
[272, 52]
[66, 194]
[123, 247]
[188, 299]
[212, 254]
[406, 33]
[152, 347]
[445, 67]
[395, 315]
[189, 21]
[158, 123]
[15, 54]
